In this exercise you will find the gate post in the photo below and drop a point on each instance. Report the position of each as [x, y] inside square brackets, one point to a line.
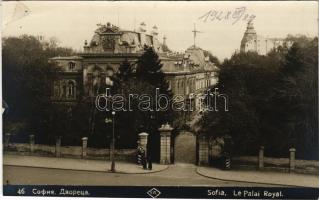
[7, 141]
[84, 147]
[31, 137]
[58, 146]
[165, 147]
[292, 157]
[261, 158]
[202, 150]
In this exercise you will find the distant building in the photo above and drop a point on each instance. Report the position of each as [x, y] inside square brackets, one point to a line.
[84, 73]
[262, 45]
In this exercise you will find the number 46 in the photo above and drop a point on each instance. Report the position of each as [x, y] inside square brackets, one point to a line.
[21, 191]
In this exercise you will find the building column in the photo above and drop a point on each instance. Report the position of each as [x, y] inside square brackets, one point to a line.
[143, 137]
[261, 158]
[84, 147]
[165, 145]
[202, 150]
[292, 159]
[31, 143]
[58, 147]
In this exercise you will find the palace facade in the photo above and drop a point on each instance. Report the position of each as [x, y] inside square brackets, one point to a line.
[82, 74]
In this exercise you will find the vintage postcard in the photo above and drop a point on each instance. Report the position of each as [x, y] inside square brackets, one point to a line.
[160, 99]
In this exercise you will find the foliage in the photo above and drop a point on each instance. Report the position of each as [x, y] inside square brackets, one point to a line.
[27, 84]
[27, 77]
[297, 95]
[212, 58]
[272, 101]
[142, 78]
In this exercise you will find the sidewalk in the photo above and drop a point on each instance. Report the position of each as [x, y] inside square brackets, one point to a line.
[275, 178]
[78, 164]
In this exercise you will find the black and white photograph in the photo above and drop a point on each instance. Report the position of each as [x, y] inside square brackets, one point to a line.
[160, 99]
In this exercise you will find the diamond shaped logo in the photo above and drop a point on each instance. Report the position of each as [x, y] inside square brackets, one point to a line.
[154, 193]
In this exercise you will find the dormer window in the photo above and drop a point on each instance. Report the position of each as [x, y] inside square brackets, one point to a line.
[71, 66]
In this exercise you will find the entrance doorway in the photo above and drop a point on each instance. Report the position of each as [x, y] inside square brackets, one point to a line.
[185, 148]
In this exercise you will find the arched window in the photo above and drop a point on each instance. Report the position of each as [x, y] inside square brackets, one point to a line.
[71, 89]
[169, 85]
[71, 66]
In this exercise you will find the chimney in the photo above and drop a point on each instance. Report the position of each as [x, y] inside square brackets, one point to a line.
[154, 31]
[142, 27]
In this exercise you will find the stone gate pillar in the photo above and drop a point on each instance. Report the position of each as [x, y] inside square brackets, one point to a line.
[84, 146]
[31, 137]
[203, 150]
[143, 141]
[7, 140]
[292, 158]
[58, 147]
[261, 158]
[165, 145]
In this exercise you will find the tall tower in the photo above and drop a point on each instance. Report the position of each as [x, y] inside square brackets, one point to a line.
[249, 41]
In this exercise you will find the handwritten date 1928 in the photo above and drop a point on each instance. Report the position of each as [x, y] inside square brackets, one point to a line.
[235, 15]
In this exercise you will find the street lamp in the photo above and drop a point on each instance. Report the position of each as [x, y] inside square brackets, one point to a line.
[152, 134]
[109, 82]
[113, 145]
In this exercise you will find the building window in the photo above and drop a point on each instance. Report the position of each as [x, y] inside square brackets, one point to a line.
[89, 84]
[63, 93]
[187, 89]
[169, 85]
[71, 89]
[56, 91]
[103, 76]
[71, 66]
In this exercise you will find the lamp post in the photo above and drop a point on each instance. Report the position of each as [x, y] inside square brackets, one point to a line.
[109, 82]
[151, 139]
[113, 144]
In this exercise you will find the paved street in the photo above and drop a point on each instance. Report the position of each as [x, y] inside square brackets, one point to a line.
[183, 175]
[77, 164]
[271, 177]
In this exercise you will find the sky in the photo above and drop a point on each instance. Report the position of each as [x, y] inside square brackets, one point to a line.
[73, 22]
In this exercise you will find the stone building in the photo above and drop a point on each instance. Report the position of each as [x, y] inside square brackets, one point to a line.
[262, 45]
[81, 75]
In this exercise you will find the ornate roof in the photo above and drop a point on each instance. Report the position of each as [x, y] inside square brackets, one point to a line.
[111, 39]
[192, 60]
[107, 29]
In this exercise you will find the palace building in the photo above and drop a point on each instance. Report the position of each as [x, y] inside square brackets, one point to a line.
[81, 74]
[262, 45]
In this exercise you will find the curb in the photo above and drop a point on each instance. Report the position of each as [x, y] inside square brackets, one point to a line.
[243, 181]
[279, 169]
[87, 170]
